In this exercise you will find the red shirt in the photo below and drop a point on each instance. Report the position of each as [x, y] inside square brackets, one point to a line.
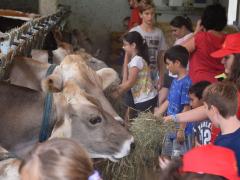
[134, 18]
[202, 66]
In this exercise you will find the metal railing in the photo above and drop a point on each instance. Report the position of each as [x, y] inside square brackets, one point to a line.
[20, 41]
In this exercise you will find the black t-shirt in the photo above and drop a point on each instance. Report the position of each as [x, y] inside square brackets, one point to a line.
[202, 131]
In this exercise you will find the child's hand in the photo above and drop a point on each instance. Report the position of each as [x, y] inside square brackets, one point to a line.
[167, 118]
[199, 27]
[163, 162]
[180, 136]
[156, 112]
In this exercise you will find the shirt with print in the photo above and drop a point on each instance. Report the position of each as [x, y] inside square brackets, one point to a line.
[156, 42]
[143, 90]
[202, 131]
[178, 95]
[231, 141]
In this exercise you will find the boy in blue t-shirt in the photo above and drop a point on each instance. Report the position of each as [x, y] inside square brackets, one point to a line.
[221, 103]
[176, 59]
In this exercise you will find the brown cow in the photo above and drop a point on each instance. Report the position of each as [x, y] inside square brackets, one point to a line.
[58, 54]
[21, 112]
[28, 73]
[92, 82]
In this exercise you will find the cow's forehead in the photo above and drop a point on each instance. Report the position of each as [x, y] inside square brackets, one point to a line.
[78, 98]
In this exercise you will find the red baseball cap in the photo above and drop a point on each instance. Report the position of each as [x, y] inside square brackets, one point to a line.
[231, 45]
[211, 159]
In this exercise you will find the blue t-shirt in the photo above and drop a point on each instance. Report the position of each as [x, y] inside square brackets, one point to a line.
[189, 129]
[178, 95]
[231, 141]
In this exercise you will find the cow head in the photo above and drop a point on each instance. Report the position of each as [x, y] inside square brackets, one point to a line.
[82, 118]
[94, 83]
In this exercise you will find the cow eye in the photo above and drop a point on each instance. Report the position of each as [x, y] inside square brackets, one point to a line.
[95, 120]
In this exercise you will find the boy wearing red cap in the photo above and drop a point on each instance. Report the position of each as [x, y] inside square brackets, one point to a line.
[220, 104]
[202, 163]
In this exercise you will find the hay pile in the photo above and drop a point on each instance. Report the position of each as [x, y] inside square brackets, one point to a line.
[148, 134]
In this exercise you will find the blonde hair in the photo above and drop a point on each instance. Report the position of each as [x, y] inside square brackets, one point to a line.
[61, 159]
[145, 5]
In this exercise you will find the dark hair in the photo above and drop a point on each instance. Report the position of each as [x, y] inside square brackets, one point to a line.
[180, 21]
[141, 45]
[198, 88]
[222, 95]
[214, 17]
[172, 172]
[234, 75]
[179, 53]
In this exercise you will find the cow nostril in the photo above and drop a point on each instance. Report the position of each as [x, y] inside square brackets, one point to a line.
[132, 146]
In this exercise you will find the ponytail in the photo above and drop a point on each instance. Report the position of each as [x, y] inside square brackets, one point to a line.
[141, 44]
[143, 52]
[180, 21]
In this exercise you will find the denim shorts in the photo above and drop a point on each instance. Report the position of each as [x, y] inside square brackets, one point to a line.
[171, 147]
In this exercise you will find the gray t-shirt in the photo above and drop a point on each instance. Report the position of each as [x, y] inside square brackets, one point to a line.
[156, 42]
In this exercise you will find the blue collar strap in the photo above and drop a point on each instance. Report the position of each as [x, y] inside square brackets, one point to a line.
[45, 128]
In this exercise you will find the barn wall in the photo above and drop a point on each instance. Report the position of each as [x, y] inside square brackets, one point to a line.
[20, 5]
[98, 18]
[47, 7]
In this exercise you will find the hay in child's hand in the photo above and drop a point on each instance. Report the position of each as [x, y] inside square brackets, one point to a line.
[148, 133]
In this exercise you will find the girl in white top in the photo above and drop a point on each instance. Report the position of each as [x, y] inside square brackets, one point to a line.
[136, 73]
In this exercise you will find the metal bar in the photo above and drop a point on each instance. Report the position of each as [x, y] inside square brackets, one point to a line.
[30, 35]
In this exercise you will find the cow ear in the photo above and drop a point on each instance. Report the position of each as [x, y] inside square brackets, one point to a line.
[52, 83]
[108, 76]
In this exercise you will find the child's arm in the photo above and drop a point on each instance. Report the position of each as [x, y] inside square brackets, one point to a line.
[162, 109]
[125, 86]
[197, 114]
[182, 125]
[161, 68]
[125, 68]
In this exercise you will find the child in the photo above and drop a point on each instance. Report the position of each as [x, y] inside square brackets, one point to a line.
[202, 129]
[202, 163]
[182, 30]
[134, 18]
[220, 103]
[203, 67]
[58, 159]
[154, 38]
[136, 73]
[176, 59]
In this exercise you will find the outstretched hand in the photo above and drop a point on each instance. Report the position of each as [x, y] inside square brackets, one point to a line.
[167, 118]
[199, 27]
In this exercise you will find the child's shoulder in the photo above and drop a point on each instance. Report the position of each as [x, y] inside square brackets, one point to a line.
[136, 28]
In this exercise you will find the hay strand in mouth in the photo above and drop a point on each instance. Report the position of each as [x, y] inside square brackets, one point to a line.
[148, 133]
